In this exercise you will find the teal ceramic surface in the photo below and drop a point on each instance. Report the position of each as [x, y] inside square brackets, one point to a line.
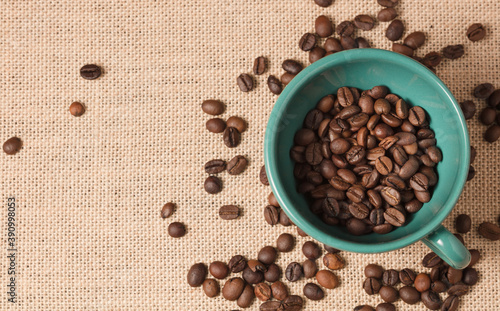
[365, 68]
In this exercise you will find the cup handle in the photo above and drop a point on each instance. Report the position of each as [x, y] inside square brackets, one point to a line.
[448, 247]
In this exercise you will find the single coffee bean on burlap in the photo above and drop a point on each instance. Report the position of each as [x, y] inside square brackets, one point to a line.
[415, 40]
[327, 279]
[233, 288]
[345, 29]
[247, 296]
[259, 65]
[215, 166]
[388, 3]
[422, 282]
[409, 295]
[274, 85]
[245, 82]
[211, 287]
[372, 286]
[285, 242]
[293, 272]
[216, 125]
[407, 276]
[390, 277]
[313, 291]
[291, 66]
[323, 3]
[453, 51]
[431, 300]
[77, 109]
[90, 72]
[12, 145]
[385, 307]
[237, 263]
[476, 32]
[196, 275]
[395, 30]
[387, 14]
[263, 291]
[176, 230]
[228, 212]
[364, 22]
[218, 270]
[483, 90]
[463, 223]
[323, 26]
[388, 294]
[212, 107]
[213, 185]
[307, 42]
[232, 137]
[489, 231]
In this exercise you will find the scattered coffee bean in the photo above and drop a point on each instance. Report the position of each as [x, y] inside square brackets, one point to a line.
[395, 30]
[237, 264]
[488, 115]
[385, 307]
[362, 43]
[12, 145]
[333, 261]
[245, 82]
[363, 308]
[372, 286]
[233, 288]
[263, 291]
[470, 276]
[228, 212]
[256, 265]
[286, 78]
[409, 295]
[454, 275]
[374, 271]
[364, 22]
[475, 256]
[259, 65]
[218, 270]
[267, 255]
[463, 223]
[453, 51]
[415, 40]
[431, 300]
[402, 49]
[422, 282]
[292, 303]
[270, 306]
[237, 165]
[307, 42]
[458, 290]
[407, 276]
[271, 215]
[274, 85]
[238, 123]
[476, 32]
[323, 3]
[438, 287]
[232, 137]
[313, 291]
[327, 279]
[279, 290]
[489, 231]
[388, 3]
[492, 133]
[348, 43]
[273, 273]
[213, 185]
[216, 125]
[323, 26]
[77, 109]
[196, 275]
[285, 242]
[263, 176]
[272, 200]
[388, 294]
[472, 173]
[247, 296]
[483, 91]
[431, 260]
[291, 66]
[252, 277]
[211, 287]
[468, 108]
[494, 99]
[432, 59]
[176, 230]
[212, 107]
[333, 45]
[390, 277]
[309, 267]
[387, 15]
[316, 54]
[90, 72]
[283, 219]
[215, 166]
[293, 272]
[450, 304]
[345, 29]
[311, 250]
[167, 210]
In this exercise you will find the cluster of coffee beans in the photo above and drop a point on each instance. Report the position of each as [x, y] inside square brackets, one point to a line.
[88, 72]
[232, 128]
[261, 277]
[235, 166]
[365, 159]
[175, 229]
[490, 115]
[246, 81]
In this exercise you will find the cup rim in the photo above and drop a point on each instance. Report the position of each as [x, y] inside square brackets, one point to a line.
[270, 150]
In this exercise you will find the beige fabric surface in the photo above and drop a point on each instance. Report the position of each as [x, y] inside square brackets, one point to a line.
[89, 190]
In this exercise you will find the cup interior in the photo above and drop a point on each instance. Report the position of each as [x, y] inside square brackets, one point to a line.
[363, 69]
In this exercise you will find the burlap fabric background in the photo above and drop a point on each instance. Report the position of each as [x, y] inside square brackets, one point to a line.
[89, 189]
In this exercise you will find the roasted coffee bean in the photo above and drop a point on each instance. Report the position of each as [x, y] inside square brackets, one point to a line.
[252, 277]
[383, 229]
[267, 255]
[245, 82]
[333, 45]
[463, 223]
[468, 108]
[394, 217]
[453, 51]
[388, 294]
[314, 155]
[303, 137]
[311, 250]
[270, 306]
[167, 210]
[211, 287]
[340, 146]
[327, 279]
[323, 3]
[176, 230]
[309, 268]
[238, 123]
[374, 271]
[422, 282]
[419, 182]
[274, 85]
[291, 303]
[470, 276]
[333, 261]
[348, 43]
[233, 288]
[431, 300]
[488, 115]
[363, 308]
[216, 125]
[364, 22]
[291, 66]
[348, 112]
[431, 260]
[413, 205]
[458, 290]
[90, 72]
[307, 42]
[232, 137]
[492, 133]
[409, 295]
[476, 32]
[323, 26]
[438, 287]
[395, 30]
[383, 165]
[273, 273]
[484, 90]
[313, 291]
[228, 212]
[197, 274]
[259, 65]
[285, 242]
[388, 3]
[313, 119]
[392, 180]
[450, 304]
[362, 43]
[272, 200]
[293, 272]
[316, 54]
[454, 275]
[247, 296]
[218, 270]
[385, 307]
[377, 216]
[415, 40]
[345, 29]
[345, 96]
[237, 165]
[379, 91]
[330, 206]
[356, 194]
[489, 231]
[237, 264]
[475, 256]
[372, 286]
[403, 49]
[407, 276]
[263, 291]
[357, 227]
[387, 15]
[286, 78]
[432, 59]
[327, 169]
[77, 109]
[494, 99]
[417, 116]
[383, 130]
[212, 107]
[213, 185]
[393, 197]
[359, 210]
[390, 277]
[410, 168]
[263, 176]
[12, 145]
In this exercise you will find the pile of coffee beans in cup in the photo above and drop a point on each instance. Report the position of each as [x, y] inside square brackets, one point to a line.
[365, 159]
[427, 287]
[262, 278]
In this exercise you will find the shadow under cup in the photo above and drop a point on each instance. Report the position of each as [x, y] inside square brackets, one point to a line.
[363, 69]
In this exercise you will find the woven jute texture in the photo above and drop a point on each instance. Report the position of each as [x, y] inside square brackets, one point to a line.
[89, 190]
